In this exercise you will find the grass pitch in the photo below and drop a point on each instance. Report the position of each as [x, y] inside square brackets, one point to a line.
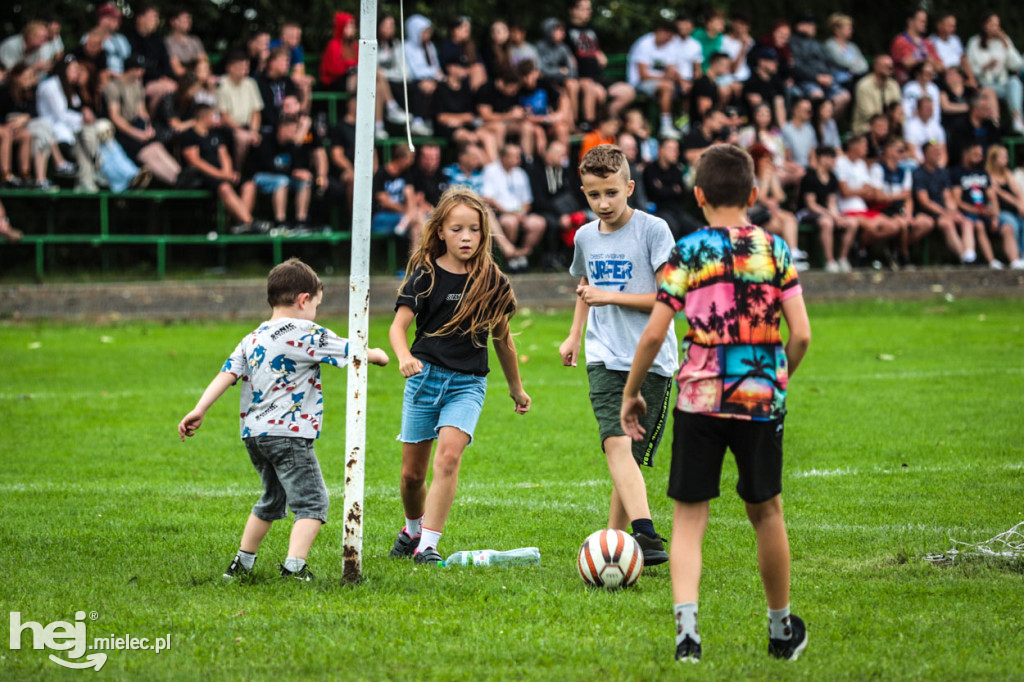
[904, 431]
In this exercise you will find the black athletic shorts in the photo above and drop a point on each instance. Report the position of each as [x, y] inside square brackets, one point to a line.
[698, 449]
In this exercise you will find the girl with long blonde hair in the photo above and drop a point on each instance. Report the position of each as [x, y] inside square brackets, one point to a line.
[458, 297]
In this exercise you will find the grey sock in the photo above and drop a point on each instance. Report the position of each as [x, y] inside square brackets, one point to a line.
[246, 559]
[294, 565]
[686, 622]
[778, 624]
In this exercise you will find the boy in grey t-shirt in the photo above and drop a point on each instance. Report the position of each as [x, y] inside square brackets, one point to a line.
[618, 258]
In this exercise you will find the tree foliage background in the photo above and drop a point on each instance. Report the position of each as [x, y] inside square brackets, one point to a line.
[224, 23]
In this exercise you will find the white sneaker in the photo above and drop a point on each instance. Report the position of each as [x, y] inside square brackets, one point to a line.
[1017, 264]
[396, 115]
[1018, 126]
[832, 267]
[996, 265]
[668, 132]
[844, 265]
[421, 128]
[381, 134]
[801, 265]
[969, 257]
[799, 254]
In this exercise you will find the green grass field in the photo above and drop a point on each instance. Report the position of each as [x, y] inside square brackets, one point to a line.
[904, 431]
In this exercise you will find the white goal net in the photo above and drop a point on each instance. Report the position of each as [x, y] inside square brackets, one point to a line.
[1007, 545]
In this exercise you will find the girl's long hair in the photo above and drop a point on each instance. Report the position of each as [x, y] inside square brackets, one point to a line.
[990, 161]
[484, 303]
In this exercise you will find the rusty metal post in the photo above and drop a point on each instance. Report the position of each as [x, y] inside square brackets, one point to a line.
[359, 297]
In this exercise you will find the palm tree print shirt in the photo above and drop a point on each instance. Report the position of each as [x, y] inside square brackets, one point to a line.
[730, 283]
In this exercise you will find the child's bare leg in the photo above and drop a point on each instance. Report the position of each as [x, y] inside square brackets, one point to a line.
[626, 477]
[304, 532]
[413, 484]
[617, 516]
[689, 521]
[772, 550]
[255, 530]
[451, 443]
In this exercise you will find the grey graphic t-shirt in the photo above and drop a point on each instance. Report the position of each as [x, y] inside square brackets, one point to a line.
[625, 260]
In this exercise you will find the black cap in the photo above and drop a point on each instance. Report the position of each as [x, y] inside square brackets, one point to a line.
[135, 61]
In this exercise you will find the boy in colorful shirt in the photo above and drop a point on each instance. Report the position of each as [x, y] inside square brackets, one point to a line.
[281, 411]
[734, 282]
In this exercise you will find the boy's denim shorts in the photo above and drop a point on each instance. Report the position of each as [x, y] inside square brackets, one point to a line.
[439, 397]
[291, 476]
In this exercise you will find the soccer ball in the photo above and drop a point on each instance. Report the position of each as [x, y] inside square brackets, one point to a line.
[610, 559]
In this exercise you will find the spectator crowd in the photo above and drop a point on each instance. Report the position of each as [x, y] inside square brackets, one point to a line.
[873, 152]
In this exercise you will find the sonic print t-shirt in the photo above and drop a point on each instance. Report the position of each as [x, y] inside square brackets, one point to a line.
[625, 260]
[279, 367]
[730, 283]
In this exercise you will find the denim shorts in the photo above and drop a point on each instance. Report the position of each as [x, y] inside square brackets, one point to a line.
[291, 476]
[268, 183]
[385, 222]
[439, 397]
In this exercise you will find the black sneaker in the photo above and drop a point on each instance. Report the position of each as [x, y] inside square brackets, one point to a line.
[405, 545]
[653, 547]
[302, 574]
[237, 571]
[790, 649]
[688, 650]
[428, 556]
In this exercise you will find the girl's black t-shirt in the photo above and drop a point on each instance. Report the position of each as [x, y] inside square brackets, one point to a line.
[454, 351]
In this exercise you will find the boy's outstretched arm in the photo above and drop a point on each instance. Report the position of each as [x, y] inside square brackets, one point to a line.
[505, 349]
[194, 419]
[633, 405]
[377, 356]
[795, 313]
[570, 348]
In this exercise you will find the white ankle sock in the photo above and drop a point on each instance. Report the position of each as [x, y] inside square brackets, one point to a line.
[293, 564]
[686, 622]
[246, 559]
[429, 538]
[412, 526]
[778, 624]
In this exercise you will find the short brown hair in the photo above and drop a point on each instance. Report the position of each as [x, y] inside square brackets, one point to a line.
[604, 160]
[289, 279]
[725, 173]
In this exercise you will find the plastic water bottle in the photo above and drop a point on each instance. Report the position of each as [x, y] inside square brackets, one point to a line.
[524, 556]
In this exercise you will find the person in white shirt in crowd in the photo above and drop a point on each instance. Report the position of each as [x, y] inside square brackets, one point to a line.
[949, 46]
[924, 127]
[655, 69]
[60, 104]
[506, 189]
[856, 192]
[29, 46]
[737, 43]
[425, 72]
[997, 64]
[921, 83]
